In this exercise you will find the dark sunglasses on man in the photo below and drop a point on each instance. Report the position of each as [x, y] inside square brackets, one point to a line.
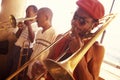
[82, 20]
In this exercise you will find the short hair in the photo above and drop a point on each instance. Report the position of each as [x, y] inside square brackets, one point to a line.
[47, 11]
[35, 9]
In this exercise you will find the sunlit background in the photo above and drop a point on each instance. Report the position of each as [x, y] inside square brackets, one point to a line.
[64, 9]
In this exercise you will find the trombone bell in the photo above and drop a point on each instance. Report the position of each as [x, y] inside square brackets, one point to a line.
[57, 71]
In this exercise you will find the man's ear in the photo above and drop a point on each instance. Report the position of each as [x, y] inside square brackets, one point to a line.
[46, 17]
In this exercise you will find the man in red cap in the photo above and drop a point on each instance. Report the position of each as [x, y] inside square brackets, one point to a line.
[85, 19]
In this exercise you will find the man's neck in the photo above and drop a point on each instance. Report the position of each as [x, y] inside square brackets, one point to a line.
[46, 28]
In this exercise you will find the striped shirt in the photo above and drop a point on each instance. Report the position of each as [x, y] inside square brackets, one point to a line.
[24, 35]
[42, 41]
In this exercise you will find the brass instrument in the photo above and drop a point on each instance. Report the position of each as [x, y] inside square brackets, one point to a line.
[8, 24]
[36, 57]
[25, 54]
[26, 45]
[65, 68]
[12, 22]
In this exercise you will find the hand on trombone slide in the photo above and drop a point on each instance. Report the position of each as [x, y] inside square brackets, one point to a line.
[75, 41]
[38, 70]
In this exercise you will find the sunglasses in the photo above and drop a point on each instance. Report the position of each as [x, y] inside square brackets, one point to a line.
[82, 20]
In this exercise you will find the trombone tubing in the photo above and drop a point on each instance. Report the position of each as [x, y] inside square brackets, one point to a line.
[80, 53]
[65, 68]
[37, 56]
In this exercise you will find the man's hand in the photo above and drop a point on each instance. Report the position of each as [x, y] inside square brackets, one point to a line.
[76, 41]
[37, 69]
[21, 25]
[28, 22]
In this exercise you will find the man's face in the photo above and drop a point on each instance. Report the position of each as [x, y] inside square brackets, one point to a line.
[30, 12]
[41, 18]
[81, 22]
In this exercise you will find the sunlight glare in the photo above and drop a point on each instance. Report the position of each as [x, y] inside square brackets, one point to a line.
[62, 12]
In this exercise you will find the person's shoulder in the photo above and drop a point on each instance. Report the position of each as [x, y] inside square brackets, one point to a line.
[98, 46]
[59, 36]
[39, 30]
[52, 30]
[96, 43]
[34, 23]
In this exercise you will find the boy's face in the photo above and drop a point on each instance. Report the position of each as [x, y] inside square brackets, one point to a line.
[41, 18]
[81, 22]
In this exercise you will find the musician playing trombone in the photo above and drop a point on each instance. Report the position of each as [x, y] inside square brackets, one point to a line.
[85, 19]
[25, 34]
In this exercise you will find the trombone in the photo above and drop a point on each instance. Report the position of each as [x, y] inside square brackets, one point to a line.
[12, 22]
[65, 68]
[26, 46]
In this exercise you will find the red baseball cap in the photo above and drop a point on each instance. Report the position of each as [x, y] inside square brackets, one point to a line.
[93, 7]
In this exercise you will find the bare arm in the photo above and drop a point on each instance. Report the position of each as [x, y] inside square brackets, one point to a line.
[31, 34]
[20, 26]
[96, 61]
